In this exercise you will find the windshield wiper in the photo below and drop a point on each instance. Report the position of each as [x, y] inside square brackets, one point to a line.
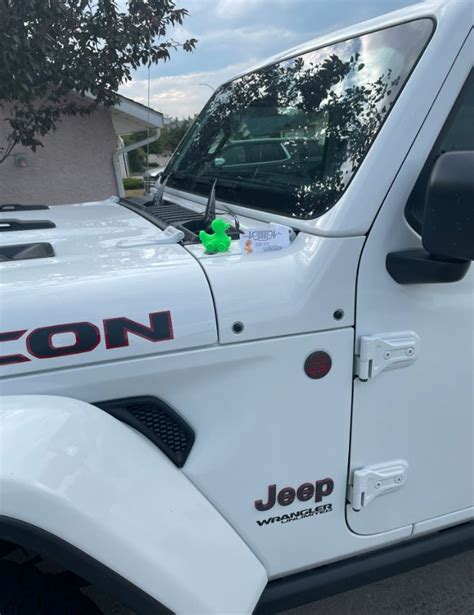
[206, 179]
[160, 191]
[210, 212]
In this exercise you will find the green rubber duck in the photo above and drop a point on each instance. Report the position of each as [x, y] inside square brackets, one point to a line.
[219, 241]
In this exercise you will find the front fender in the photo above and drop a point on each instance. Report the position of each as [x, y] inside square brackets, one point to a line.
[74, 471]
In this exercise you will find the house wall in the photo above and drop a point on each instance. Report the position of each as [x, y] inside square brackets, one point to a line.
[75, 164]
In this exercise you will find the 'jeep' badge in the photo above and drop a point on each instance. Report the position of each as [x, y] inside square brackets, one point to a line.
[303, 493]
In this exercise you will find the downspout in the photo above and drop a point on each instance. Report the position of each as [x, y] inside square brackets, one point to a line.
[124, 150]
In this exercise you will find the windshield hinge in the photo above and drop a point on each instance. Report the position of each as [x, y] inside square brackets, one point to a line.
[372, 481]
[385, 351]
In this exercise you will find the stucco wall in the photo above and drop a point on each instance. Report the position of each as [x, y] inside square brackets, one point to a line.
[74, 165]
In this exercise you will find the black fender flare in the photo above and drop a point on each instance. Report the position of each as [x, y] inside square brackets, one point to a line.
[71, 558]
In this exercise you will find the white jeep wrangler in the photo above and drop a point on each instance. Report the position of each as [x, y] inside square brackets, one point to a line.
[254, 428]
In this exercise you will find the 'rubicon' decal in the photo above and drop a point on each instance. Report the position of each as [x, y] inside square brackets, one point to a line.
[40, 344]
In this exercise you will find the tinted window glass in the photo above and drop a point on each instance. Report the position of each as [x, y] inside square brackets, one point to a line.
[457, 135]
[288, 138]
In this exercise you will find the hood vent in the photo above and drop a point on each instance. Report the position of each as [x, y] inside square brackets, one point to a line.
[24, 225]
[26, 251]
[17, 207]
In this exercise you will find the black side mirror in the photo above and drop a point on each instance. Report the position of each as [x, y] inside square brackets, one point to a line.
[448, 224]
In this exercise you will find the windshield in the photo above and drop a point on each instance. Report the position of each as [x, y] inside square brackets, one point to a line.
[288, 138]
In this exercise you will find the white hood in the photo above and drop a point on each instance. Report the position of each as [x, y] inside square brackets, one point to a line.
[107, 264]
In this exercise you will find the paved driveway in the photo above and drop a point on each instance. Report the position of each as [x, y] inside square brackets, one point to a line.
[445, 588]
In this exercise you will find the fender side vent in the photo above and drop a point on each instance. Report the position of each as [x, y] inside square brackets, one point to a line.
[26, 251]
[157, 422]
[24, 225]
[6, 207]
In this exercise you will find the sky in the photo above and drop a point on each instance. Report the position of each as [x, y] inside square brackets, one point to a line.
[234, 35]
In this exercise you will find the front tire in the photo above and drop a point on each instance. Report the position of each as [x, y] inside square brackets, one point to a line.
[24, 590]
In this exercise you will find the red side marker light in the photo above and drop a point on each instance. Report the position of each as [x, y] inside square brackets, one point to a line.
[318, 365]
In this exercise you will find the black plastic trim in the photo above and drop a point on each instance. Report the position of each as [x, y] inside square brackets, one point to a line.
[420, 267]
[190, 222]
[118, 409]
[50, 546]
[141, 211]
[416, 201]
[13, 224]
[7, 207]
[333, 579]
[26, 251]
[448, 225]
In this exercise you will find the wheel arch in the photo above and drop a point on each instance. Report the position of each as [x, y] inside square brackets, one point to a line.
[52, 548]
[103, 501]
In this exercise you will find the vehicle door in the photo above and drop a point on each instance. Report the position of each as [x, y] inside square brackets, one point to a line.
[411, 457]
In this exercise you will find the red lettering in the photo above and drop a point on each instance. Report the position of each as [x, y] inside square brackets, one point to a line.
[8, 359]
[117, 329]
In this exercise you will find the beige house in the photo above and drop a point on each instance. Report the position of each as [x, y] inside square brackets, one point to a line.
[83, 160]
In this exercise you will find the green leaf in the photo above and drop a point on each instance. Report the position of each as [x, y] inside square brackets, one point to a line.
[51, 49]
